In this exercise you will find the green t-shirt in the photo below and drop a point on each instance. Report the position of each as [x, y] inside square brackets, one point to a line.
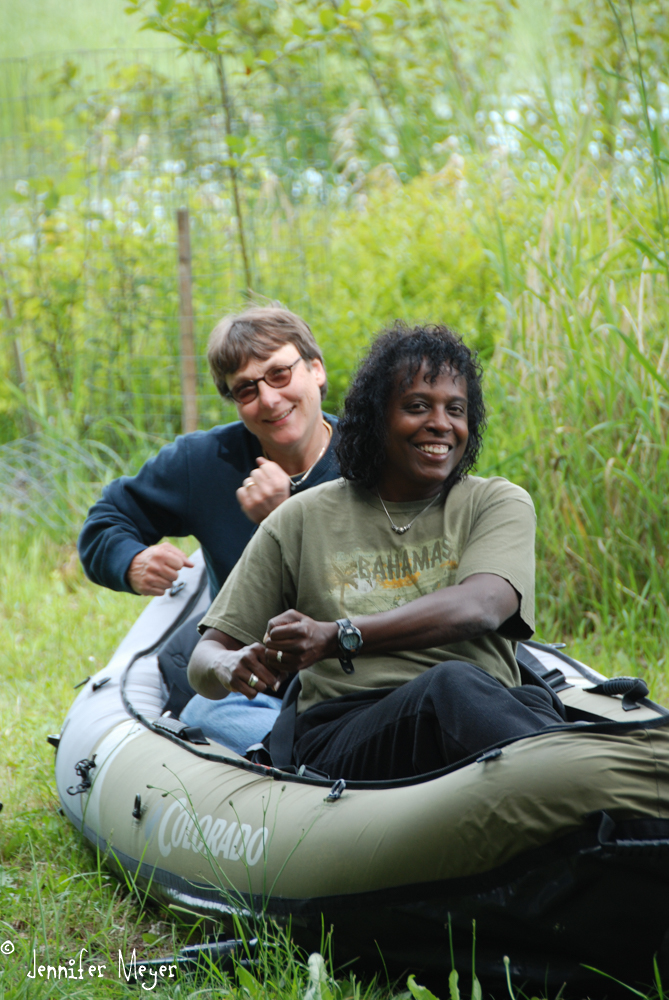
[330, 553]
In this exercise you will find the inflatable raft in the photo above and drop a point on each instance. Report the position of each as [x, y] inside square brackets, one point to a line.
[556, 844]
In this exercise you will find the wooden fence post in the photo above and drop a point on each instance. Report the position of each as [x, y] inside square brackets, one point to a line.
[188, 358]
[19, 365]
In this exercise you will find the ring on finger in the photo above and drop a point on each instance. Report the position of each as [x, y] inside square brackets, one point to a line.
[252, 681]
[279, 655]
[248, 483]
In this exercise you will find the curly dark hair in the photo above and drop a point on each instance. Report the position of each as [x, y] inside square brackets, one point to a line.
[393, 361]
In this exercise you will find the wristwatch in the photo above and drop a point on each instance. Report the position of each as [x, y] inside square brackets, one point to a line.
[349, 643]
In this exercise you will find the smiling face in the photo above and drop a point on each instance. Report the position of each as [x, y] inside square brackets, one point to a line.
[426, 436]
[285, 420]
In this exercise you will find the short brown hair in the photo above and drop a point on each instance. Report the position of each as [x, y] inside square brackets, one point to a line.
[257, 333]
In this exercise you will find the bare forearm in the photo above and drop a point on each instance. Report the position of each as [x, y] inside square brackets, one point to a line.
[479, 605]
[209, 657]
[433, 620]
[453, 614]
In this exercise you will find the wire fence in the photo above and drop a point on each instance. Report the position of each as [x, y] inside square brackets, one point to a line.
[49, 482]
[98, 151]
[52, 102]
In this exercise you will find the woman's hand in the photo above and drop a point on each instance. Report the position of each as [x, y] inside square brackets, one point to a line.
[263, 490]
[155, 568]
[221, 664]
[293, 641]
[234, 670]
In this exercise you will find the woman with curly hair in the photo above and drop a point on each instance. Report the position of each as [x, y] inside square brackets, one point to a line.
[397, 593]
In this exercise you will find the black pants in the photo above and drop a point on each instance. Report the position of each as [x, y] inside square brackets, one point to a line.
[452, 710]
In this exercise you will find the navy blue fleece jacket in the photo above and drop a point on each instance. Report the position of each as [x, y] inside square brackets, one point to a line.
[187, 489]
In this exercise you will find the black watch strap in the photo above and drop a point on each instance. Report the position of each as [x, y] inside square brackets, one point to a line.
[349, 642]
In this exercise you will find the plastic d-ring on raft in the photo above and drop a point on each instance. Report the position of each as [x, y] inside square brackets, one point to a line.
[556, 844]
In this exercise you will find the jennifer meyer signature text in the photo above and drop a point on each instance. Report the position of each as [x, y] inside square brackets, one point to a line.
[81, 968]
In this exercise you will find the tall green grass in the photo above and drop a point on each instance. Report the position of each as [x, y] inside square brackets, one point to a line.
[581, 378]
[563, 293]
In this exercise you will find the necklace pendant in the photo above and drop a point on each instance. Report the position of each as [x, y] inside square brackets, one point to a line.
[402, 530]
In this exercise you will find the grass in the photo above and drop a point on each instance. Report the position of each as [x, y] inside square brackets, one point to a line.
[54, 895]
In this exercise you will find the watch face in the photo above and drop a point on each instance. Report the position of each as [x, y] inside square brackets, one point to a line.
[350, 640]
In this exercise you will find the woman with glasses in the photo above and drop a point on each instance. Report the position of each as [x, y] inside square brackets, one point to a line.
[218, 485]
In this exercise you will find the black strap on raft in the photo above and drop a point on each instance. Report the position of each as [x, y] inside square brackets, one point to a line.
[277, 748]
[173, 657]
[282, 737]
[633, 689]
[532, 671]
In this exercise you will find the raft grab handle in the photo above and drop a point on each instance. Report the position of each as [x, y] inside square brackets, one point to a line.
[194, 957]
[626, 839]
[633, 689]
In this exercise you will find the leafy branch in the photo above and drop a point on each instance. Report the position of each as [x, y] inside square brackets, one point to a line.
[197, 26]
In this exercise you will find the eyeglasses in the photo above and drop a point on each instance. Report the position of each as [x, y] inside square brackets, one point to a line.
[278, 378]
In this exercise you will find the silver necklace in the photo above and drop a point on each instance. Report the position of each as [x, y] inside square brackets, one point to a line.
[298, 478]
[402, 530]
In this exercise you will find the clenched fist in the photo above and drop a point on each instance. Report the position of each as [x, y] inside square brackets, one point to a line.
[156, 568]
[263, 490]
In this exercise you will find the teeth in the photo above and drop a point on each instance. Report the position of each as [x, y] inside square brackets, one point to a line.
[281, 415]
[435, 449]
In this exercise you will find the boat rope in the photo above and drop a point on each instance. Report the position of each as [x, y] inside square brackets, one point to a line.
[607, 727]
[160, 729]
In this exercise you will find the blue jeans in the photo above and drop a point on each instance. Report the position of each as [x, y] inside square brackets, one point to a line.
[235, 721]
